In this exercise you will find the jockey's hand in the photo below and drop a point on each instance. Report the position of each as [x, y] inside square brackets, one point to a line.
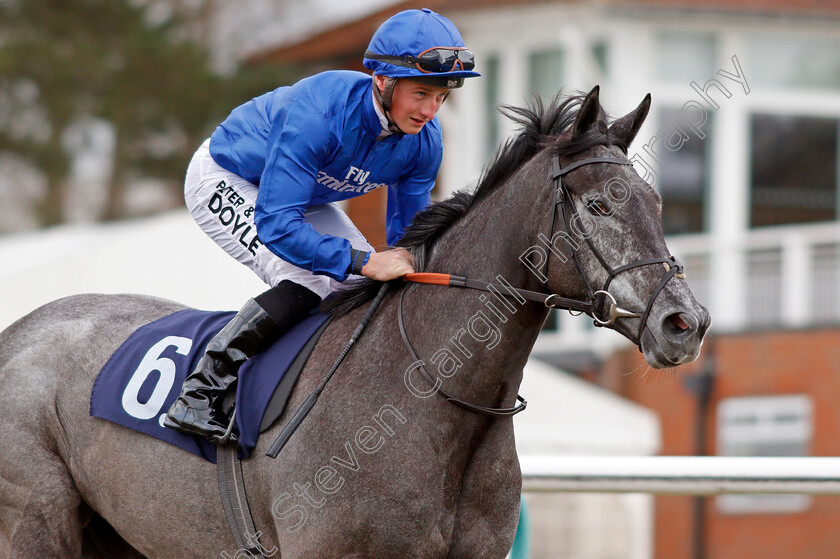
[388, 265]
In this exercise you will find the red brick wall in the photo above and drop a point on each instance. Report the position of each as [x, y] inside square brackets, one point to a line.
[368, 213]
[797, 362]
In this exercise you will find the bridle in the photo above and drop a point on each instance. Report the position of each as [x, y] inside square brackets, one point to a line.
[562, 200]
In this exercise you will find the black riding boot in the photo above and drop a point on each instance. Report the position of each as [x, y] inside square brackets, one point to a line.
[198, 410]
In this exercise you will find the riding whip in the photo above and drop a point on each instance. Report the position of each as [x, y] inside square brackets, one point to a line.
[307, 406]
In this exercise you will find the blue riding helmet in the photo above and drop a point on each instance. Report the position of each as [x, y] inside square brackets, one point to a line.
[423, 45]
[420, 45]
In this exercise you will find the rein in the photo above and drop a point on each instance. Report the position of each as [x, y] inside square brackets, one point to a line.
[483, 410]
[550, 300]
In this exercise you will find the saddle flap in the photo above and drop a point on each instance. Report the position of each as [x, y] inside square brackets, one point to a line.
[284, 389]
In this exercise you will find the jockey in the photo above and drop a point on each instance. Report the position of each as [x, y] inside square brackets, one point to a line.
[267, 183]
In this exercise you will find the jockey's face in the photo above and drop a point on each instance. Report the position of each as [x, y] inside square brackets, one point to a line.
[414, 104]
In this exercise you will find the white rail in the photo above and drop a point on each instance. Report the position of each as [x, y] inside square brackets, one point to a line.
[682, 475]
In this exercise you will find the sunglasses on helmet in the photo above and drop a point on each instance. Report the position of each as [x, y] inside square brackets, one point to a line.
[436, 60]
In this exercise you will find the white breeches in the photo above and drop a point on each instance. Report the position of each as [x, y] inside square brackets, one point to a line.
[222, 203]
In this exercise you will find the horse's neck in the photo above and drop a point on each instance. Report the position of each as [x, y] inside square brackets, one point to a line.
[490, 336]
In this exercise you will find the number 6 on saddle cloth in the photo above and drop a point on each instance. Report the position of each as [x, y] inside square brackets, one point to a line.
[144, 376]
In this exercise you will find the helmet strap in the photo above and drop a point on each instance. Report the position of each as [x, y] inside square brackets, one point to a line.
[385, 98]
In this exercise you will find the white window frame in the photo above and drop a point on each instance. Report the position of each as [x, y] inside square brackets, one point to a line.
[756, 420]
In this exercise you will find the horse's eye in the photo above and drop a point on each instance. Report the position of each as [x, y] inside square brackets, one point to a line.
[597, 207]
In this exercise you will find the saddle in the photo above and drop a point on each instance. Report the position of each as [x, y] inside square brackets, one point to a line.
[144, 376]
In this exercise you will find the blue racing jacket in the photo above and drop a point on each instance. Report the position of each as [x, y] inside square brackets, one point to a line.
[315, 142]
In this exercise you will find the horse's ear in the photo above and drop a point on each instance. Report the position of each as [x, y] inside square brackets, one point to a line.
[589, 112]
[623, 131]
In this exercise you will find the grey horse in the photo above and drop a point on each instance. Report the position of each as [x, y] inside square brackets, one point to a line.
[383, 467]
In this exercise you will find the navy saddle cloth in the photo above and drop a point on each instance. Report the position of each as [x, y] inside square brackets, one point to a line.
[144, 376]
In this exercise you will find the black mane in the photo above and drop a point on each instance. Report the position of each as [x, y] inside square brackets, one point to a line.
[541, 127]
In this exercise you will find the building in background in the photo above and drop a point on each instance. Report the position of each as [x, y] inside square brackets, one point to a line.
[743, 143]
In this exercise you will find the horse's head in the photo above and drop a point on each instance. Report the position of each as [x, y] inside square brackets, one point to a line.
[609, 222]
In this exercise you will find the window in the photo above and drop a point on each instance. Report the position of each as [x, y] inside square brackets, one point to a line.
[825, 276]
[683, 174]
[490, 69]
[764, 287]
[794, 169]
[697, 272]
[545, 73]
[764, 426]
[794, 62]
[685, 57]
[600, 52]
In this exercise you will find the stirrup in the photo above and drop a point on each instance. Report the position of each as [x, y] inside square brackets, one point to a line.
[228, 437]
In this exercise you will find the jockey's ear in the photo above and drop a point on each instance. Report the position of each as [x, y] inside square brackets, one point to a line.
[623, 131]
[379, 82]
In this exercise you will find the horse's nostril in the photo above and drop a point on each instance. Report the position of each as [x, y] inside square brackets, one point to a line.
[678, 326]
[679, 321]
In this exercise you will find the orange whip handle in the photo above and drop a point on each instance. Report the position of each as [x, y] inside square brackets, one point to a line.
[425, 277]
